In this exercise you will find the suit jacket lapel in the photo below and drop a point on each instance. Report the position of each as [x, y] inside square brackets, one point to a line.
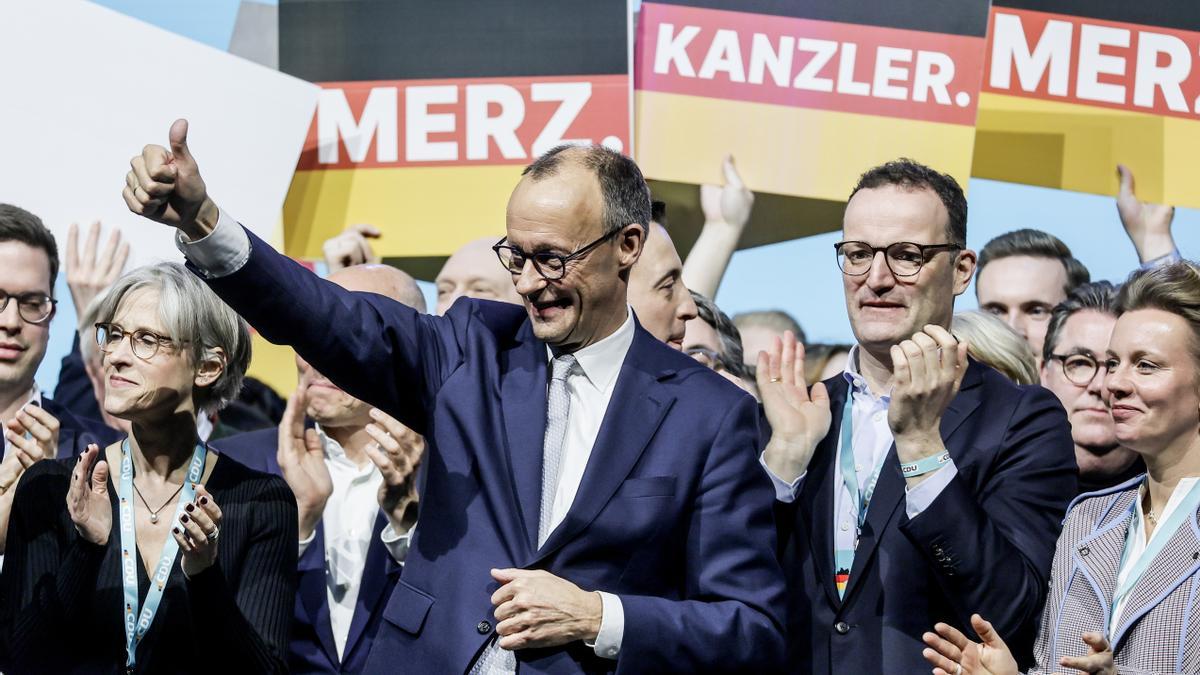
[819, 490]
[379, 566]
[1170, 568]
[634, 413]
[523, 401]
[890, 490]
[313, 595]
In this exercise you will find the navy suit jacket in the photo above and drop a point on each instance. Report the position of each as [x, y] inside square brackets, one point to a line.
[673, 514]
[311, 648]
[984, 545]
[74, 432]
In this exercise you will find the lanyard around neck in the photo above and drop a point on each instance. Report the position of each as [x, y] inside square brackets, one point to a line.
[138, 622]
[860, 494]
[1158, 541]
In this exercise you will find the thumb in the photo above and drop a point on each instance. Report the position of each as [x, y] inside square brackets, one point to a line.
[819, 394]
[1096, 641]
[100, 478]
[732, 177]
[178, 138]
[1126, 176]
[986, 633]
[312, 442]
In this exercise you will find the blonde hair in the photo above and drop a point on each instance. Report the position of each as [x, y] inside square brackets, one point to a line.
[1173, 288]
[991, 342]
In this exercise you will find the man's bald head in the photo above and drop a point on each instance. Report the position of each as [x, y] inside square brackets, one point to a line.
[474, 271]
[384, 280]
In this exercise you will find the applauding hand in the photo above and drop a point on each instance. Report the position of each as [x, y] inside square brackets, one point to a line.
[302, 460]
[397, 452]
[952, 653]
[87, 498]
[799, 418]
[197, 531]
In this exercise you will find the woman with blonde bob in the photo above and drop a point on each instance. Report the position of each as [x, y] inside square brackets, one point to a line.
[153, 554]
[990, 341]
[1125, 595]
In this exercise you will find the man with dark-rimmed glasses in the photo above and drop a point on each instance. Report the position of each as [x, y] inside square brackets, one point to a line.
[916, 486]
[35, 427]
[1073, 368]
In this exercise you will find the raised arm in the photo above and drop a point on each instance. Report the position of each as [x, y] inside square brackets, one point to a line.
[726, 212]
[376, 349]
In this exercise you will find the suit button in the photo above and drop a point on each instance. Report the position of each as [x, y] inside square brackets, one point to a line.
[1083, 550]
[841, 627]
[937, 550]
[483, 627]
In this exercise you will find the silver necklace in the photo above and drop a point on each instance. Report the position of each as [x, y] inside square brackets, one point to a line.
[154, 512]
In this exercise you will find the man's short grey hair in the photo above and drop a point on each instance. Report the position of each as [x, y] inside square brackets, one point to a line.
[194, 316]
[775, 320]
[731, 340]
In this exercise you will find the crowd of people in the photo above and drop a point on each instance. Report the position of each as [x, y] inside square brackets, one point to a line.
[580, 463]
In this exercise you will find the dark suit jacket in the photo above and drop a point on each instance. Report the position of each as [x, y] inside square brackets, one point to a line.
[674, 513]
[311, 648]
[984, 545]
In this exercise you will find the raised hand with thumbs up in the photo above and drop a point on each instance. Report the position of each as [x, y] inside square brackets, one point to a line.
[165, 186]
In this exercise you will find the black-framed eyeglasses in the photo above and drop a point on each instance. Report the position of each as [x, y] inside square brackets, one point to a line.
[551, 266]
[145, 344]
[33, 307]
[903, 258]
[1079, 368]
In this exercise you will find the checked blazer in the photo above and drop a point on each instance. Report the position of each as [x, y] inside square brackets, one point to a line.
[1159, 631]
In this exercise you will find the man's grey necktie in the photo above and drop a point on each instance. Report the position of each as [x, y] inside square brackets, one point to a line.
[494, 660]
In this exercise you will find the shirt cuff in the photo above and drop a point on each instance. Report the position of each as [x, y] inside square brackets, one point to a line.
[1173, 257]
[919, 498]
[221, 252]
[784, 491]
[612, 627]
[396, 543]
[306, 541]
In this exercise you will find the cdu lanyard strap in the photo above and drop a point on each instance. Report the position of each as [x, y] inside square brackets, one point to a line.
[1158, 540]
[861, 496]
[137, 623]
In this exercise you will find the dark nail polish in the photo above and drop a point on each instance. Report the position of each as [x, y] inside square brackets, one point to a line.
[183, 518]
[204, 500]
[175, 530]
[189, 508]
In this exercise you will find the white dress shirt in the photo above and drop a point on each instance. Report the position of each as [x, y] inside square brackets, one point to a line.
[227, 248]
[872, 438]
[590, 393]
[35, 397]
[348, 519]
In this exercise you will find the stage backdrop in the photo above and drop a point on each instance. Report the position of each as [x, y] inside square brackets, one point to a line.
[805, 95]
[429, 111]
[1074, 86]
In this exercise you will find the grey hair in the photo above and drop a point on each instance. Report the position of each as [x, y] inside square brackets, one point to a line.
[195, 316]
[992, 342]
[731, 339]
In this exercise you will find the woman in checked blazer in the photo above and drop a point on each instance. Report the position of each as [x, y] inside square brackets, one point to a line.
[1125, 586]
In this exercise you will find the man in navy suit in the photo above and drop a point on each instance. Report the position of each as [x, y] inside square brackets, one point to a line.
[353, 475]
[917, 486]
[35, 427]
[592, 500]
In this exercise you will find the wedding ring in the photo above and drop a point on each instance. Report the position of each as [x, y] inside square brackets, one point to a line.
[958, 671]
[777, 379]
[212, 536]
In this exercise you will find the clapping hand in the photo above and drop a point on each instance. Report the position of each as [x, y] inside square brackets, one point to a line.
[351, 248]
[1148, 225]
[301, 458]
[165, 186]
[87, 498]
[197, 531]
[89, 275]
[952, 653]
[397, 452]
[927, 370]
[799, 418]
[42, 430]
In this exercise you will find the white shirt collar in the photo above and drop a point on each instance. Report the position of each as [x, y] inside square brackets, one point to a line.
[858, 383]
[601, 361]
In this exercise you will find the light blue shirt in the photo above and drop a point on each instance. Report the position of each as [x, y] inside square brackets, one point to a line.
[872, 442]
